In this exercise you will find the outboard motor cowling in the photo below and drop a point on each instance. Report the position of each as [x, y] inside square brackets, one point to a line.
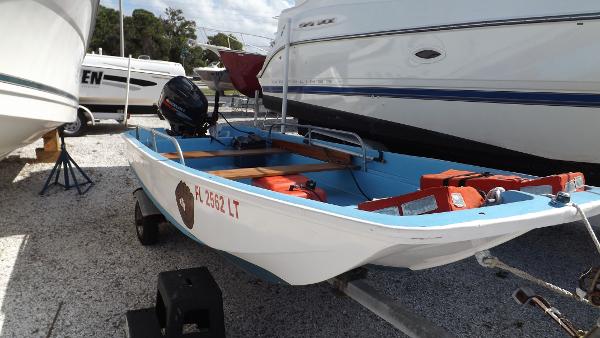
[185, 107]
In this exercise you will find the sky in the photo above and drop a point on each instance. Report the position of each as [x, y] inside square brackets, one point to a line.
[248, 16]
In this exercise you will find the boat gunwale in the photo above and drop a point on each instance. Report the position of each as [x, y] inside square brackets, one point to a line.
[389, 222]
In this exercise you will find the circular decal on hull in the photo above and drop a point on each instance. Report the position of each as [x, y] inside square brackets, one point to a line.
[185, 204]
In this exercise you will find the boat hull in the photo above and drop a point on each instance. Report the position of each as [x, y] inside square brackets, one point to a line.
[38, 94]
[104, 82]
[302, 244]
[243, 69]
[25, 131]
[217, 80]
[511, 86]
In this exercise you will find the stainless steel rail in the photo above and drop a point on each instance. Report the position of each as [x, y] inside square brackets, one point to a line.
[155, 133]
[332, 133]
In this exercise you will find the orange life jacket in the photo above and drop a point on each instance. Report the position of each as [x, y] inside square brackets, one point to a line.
[427, 201]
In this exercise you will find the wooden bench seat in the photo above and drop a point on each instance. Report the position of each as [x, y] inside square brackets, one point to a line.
[225, 153]
[316, 152]
[242, 173]
[279, 147]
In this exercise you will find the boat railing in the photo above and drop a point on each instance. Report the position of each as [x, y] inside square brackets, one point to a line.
[344, 136]
[154, 133]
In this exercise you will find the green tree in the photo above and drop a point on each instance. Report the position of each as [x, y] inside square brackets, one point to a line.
[178, 31]
[223, 40]
[145, 35]
[195, 58]
[162, 38]
[106, 34]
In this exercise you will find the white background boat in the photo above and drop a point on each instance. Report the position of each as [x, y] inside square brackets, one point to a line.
[215, 77]
[104, 80]
[497, 78]
[43, 45]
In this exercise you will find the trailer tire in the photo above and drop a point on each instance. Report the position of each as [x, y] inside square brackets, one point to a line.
[78, 127]
[146, 227]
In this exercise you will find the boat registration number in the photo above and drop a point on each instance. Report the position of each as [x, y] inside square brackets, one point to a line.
[216, 201]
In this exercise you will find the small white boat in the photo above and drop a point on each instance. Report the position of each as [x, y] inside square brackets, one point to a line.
[215, 77]
[197, 184]
[502, 82]
[104, 80]
[43, 45]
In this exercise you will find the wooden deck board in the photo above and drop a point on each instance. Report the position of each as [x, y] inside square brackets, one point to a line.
[242, 173]
[316, 152]
[225, 153]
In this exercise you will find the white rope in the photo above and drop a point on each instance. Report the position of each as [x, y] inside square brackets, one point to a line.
[485, 259]
[588, 226]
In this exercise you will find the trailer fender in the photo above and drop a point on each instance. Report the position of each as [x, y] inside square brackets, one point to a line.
[88, 114]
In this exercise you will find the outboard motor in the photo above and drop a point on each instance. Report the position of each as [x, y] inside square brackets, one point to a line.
[186, 108]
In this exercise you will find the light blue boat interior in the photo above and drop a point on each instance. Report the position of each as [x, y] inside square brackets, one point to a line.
[397, 175]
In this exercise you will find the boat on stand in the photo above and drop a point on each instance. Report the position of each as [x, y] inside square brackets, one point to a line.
[303, 210]
[243, 67]
[38, 94]
[510, 85]
[103, 88]
[215, 76]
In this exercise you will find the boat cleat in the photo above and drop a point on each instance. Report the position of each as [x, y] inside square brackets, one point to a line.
[561, 199]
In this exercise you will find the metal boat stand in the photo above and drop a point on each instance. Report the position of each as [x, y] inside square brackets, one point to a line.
[354, 284]
[65, 163]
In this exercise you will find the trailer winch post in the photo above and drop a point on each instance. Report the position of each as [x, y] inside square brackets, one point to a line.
[256, 106]
[286, 74]
[125, 111]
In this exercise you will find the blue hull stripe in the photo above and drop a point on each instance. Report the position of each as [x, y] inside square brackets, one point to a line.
[505, 97]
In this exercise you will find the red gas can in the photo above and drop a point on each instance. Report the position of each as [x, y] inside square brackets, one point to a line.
[294, 185]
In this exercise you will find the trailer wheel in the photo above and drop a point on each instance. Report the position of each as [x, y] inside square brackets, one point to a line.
[77, 127]
[146, 227]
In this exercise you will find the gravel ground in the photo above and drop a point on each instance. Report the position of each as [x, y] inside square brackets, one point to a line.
[80, 253]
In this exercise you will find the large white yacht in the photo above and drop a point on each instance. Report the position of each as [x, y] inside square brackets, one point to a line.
[510, 84]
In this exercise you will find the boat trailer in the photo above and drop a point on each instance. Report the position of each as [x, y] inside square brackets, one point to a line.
[588, 291]
[354, 284]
